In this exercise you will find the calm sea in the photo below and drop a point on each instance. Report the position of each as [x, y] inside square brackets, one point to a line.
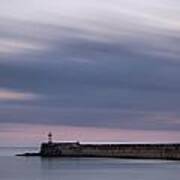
[35, 168]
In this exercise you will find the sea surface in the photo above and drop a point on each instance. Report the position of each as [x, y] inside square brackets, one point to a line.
[36, 168]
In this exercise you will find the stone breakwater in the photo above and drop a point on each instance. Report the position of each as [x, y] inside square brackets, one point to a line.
[138, 151]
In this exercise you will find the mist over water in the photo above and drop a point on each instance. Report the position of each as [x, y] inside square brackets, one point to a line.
[35, 168]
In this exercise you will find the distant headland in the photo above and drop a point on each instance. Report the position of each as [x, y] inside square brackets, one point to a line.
[168, 151]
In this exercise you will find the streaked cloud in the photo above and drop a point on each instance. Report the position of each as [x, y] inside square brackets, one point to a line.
[10, 95]
[10, 47]
[97, 64]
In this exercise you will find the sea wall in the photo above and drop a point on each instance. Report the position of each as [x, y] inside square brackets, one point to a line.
[149, 151]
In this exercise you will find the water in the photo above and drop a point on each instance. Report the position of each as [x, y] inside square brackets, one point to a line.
[35, 168]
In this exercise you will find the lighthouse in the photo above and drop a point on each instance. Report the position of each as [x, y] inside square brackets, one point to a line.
[50, 138]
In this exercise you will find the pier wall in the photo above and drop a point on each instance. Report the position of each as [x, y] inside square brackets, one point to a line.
[149, 151]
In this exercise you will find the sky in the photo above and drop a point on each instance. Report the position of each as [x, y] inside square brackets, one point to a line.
[89, 70]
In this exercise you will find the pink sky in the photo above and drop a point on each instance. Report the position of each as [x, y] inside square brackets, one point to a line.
[27, 135]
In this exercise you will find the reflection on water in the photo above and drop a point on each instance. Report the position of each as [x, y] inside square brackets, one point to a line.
[36, 168]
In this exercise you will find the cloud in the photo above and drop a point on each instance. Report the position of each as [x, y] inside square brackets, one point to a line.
[118, 58]
[9, 95]
[130, 119]
[10, 47]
